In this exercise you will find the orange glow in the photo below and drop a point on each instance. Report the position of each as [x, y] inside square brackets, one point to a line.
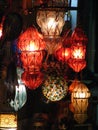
[31, 40]
[51, 21]
[63, 54]
[77, 65]
[0, 30]
[32, 81]
[78, 51]
[32, 61]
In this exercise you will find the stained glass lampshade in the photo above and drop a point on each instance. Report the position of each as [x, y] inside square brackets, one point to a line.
[51, 21]
[81, 91]
[79, 100]
[31, 45]
[54, 88]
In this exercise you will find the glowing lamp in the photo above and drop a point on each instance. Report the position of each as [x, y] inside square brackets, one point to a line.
[32, 61]
[32, 81]
[54, 88]
[81, 91]
[77, 65]
[63, 54]
[79, 101]
[0, 30]
[78, 51]
[51, 21]
[8, 121]
[31, 45]
[31, 40]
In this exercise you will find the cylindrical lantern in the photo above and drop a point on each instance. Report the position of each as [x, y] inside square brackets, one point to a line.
[78, 50]
[54, 88]
[51, 21]
[31, 45]
[80, 91]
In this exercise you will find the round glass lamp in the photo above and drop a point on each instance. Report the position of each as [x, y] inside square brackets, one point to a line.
[54, 88]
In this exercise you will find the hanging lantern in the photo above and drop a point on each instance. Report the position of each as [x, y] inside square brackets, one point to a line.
[77, 65]
[78, 50]
[8, 121]
[63, 54]
[31, 40]
[81, 91]
[32, 81]
[79, 101]
[78, 44]
[51, 21]
[54, 88]
[31, 45]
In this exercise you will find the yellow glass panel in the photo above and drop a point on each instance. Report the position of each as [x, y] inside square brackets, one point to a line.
[8, 121]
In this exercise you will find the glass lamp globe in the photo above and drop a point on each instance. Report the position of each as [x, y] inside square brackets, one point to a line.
[54, 88]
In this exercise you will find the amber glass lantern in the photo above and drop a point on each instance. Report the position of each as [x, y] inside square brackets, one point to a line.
[80, 91]
[79, 99]
[8, 121]
[51, 21]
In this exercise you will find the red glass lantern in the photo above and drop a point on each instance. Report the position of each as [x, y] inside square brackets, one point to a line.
[63, 54]
[31, 45]
[32, 81]
[32, 60]
[31, 40]
[78, 44]
[77, 65]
